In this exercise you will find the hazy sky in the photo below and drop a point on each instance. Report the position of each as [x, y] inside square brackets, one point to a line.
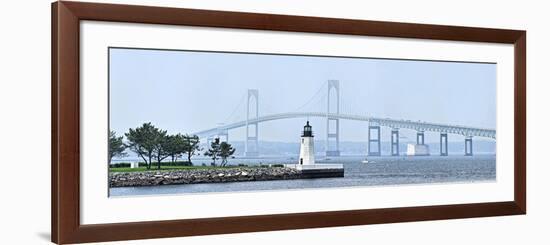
[186, 92]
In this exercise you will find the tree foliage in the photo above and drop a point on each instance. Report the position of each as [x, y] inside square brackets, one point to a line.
[175, 146]
[214, 151]
[116, 146]
[160, 151]
[191, 146]
[219, 150]
[151, 143]
[226, 151]
[144, 141]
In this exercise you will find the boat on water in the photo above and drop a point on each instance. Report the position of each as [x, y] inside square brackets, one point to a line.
[366, 161]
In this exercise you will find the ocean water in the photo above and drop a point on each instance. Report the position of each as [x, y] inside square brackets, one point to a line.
[379, 171]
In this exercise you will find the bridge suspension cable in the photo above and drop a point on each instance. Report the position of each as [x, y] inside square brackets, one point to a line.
[232, 117]
[312, 98]
[267, 109]
[350, 106]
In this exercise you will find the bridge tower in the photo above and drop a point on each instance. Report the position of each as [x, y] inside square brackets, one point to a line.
[374, 138]
[443, 144]
[420, 137]
[251, 142]
[395, 142]
[332, 146]
[468, 146]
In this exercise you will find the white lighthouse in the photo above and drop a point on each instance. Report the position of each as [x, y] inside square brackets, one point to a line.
[306, 163]
[307, 151]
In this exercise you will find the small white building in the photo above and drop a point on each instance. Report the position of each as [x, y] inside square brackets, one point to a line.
[418, 150]
[134, 165]
[307, 150]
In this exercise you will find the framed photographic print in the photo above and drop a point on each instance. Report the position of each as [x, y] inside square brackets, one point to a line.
[178, 122]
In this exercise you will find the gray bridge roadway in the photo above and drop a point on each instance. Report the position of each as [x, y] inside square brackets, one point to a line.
[387, 122]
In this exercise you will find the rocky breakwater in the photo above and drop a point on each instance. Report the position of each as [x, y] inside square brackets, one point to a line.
[195, 176]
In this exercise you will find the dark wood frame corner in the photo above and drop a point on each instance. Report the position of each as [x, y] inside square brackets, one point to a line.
[66, 227]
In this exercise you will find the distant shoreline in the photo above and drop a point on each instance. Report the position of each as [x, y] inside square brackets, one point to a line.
[292, 158]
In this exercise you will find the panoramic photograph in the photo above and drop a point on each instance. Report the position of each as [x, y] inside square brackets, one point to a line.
[187, 121]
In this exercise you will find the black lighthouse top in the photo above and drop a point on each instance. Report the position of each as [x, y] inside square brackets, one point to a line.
[307, 131]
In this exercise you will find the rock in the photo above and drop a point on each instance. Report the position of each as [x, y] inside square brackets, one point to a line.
[149, 178]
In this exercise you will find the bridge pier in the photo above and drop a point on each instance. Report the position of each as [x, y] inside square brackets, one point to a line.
[376, 141]
[224, 136]
[468, 146]
[395, 142]
[443, 144]
[420, 137]
[251, 142]
[209, 140]
[333, 137]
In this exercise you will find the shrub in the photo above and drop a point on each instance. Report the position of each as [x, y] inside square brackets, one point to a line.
[142, 164]
[120, 165]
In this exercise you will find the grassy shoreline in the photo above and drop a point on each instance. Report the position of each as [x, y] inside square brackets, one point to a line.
[172, 168]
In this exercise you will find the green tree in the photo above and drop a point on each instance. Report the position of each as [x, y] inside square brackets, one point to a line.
[116, 146]
[175, 146]
[191, 146]
[226, 150]
[214, 150]
[160, 151]
[144, 140]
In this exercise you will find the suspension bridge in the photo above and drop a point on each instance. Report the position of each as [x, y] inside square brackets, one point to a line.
[333, 117]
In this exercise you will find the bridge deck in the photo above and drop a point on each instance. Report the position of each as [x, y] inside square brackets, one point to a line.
[387, 122]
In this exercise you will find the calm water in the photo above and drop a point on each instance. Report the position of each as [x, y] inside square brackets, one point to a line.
[381, 171]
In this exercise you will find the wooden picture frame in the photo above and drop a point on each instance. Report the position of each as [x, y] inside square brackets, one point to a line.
[65, 169]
